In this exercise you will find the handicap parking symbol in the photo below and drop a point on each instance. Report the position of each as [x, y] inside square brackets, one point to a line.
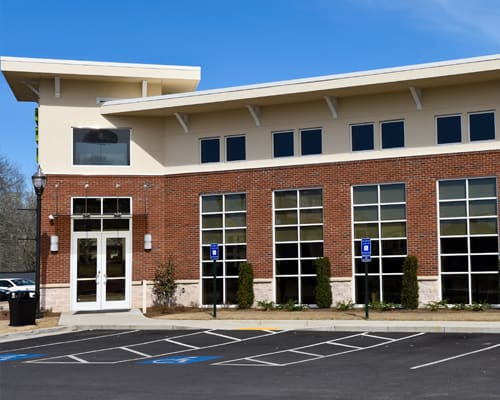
[180, 360]
[16, 357]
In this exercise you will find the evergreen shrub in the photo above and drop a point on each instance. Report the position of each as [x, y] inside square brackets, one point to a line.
[323, 289]
[409, 285]
[245, 294]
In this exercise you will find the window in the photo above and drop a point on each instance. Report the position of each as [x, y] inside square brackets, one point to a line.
[482, 126]
[101, 146]
[468, 240]
[298, 241]
[235, 148]
[362, 137]
[379, 213]
[101, 214]
[449, 129]
[310, 141]
[210, 150]
[283, 144]
[223, 221]
[393, 134]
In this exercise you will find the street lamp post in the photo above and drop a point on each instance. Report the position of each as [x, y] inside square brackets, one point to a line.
[39, 180]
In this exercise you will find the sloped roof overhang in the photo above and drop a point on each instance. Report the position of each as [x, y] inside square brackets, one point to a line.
[24, 74]
[385, 80]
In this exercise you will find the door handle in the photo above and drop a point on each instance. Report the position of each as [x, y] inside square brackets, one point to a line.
[97, 276]
[104, 278]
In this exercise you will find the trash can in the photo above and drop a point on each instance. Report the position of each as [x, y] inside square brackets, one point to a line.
[22, 308]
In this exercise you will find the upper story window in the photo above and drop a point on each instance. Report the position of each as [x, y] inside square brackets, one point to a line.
[283, 144]
[482, 126]
[393, 134]
[235, 148]
[449, 129]
[310, 141]
[210, 150]
[362, 137]
[101, 146]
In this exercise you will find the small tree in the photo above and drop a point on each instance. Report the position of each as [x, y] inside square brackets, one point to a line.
[164, 285]
[245, 293]
[323, 289]
[409, 285]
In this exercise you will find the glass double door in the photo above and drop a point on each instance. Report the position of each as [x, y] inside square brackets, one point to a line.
[101, 271]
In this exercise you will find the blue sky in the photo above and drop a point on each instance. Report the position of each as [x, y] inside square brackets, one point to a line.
[236, 42]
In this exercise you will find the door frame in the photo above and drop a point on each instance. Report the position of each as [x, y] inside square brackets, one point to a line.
[101, 304]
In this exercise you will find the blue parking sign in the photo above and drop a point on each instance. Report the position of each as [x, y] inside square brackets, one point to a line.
[366, 250]
[214, 251]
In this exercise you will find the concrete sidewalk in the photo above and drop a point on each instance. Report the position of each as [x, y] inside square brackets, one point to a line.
[134, 319]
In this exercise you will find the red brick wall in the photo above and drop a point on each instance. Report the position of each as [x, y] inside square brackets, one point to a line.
[173, 209]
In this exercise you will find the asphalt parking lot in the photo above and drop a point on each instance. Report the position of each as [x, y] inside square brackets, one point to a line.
[244, 364]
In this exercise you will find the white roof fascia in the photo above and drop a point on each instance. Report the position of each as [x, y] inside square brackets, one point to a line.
[321, 83]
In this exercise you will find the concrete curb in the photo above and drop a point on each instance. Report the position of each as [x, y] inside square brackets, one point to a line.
[35, 333]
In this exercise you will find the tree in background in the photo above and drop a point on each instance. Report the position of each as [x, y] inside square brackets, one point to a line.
[17, 226]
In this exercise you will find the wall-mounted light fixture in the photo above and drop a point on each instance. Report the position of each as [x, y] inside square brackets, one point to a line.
[148, 241]
[54, 243]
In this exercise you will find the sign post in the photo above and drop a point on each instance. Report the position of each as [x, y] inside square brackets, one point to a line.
[214, 255]
[366, 257]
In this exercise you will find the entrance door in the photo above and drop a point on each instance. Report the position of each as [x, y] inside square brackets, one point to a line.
[101, 270]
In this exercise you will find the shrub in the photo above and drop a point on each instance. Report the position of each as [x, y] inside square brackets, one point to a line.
[323, 289]
[291, 305]
[382, 306]
[245, 293]
[437, 305]
[345, 305]
[409, 285]
[266, 305]
[164, 285]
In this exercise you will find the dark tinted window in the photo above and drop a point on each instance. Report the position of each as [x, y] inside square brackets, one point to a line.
[101, 146]
[449, 129]
[210, 150]
[283, 144]
[482, 126]
[235, 148]
[393, 134]
[362, 137]
[310, 141]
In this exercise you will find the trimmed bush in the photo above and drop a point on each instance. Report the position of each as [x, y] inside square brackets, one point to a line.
[245, 293]
[164, 285]
[409, 285]
[323, 289]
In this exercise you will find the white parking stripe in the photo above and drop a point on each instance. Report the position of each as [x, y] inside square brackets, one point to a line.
[80, 360]
[181, 344]
[305, 353]
[69, 341]
[54, 360]
[455, 357]
[134, 351]
[378, 337]
[237, 362]
[223, 336]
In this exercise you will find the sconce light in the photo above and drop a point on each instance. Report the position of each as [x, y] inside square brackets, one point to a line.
[54, 243]
[148, 245]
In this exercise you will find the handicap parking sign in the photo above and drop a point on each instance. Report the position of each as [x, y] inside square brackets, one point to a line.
[214, 251]
[366, 250]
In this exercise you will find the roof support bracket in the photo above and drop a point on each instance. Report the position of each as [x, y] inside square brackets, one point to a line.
[30, 86]
[255, 112]
[417, 96]
[57, 87]
[183, 120]
[331, 102]
[144, 88]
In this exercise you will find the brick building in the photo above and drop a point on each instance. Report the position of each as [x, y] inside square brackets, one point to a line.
[142, 168]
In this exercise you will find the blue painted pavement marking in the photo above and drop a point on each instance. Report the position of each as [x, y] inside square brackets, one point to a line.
[16, 357]
[180, 360]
